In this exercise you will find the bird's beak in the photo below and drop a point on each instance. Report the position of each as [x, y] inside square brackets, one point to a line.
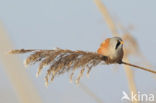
[121, 42]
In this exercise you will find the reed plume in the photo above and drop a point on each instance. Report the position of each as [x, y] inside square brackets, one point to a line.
[62, 61]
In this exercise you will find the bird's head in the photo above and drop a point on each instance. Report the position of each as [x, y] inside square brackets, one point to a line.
[112, 48]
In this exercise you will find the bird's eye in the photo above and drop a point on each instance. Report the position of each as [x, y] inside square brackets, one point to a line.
[117, 45]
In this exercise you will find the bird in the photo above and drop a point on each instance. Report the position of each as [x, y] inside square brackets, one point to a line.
[112, 48]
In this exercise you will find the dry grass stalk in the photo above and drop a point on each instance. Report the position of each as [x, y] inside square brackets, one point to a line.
[90, 93]
[107, 17]
[138, 67]
[18, 78]
[131, 44]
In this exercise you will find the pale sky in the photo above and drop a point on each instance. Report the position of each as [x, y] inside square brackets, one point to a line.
[78, 25]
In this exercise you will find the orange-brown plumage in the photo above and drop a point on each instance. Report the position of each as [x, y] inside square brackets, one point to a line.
[103, 47]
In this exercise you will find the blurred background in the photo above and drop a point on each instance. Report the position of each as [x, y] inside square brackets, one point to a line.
[75, 25]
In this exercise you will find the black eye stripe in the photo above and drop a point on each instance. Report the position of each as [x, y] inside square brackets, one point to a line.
[117, 45]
